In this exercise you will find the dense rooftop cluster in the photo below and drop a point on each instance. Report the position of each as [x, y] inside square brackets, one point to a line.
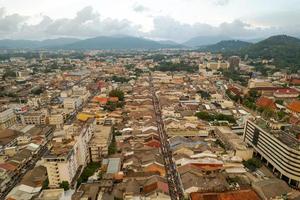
[146, 125]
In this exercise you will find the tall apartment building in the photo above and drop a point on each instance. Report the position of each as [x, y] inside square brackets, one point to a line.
[68, 154]
[61, 163]
[98, 145]
[83, 137]
[7, 117]
[234, 62]
[280, 149]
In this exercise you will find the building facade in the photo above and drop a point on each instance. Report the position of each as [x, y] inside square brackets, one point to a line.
[7, 118]
[280, 150]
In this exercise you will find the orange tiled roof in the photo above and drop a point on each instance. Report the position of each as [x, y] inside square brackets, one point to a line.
[102, 100]
[294, 106]
[266, 103]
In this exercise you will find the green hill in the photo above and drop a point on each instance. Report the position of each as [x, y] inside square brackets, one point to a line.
[285, 51]
[226, 45]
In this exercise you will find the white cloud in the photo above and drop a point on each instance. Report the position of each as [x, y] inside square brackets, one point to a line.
[86, 23]
[89, 23]
[10, 23]
[169, 28]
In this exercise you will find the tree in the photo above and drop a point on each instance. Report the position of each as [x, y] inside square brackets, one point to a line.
[252, 164]
[279, 101]
[110, 106]
[88, 171]
[37, 91]
[45, 184]
[65, 185]
[212, 117]
[281, 114]
[268, 112]
[254, 94]
[169, 66]
[117, 93]
[204, 116]
[112, 148]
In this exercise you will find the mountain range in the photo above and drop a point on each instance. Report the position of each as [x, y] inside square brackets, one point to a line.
[34, 44]
[208, 43]
[124, 42]
[102, 42]
[109, 42]
[205, 40]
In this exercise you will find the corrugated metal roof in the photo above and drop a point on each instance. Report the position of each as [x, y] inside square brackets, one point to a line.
[113, 165]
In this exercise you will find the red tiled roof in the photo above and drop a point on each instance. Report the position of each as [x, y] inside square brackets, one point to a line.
[295, 81]
[8, 166]
[265, 102]
[294, 106]
[234, 90]
[153, 143]
[233, 195]
[286, 91]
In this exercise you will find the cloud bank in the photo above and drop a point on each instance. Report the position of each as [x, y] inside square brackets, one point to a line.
[89, 23]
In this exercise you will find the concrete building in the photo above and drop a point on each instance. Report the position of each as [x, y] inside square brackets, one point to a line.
[72, 103]
[98, 145]
[61, 163]
[217, 65]
[83, 137]
[8, 139]
[52, 194]
[57, 120]
[233, 142]
[279, 149]
[234, 62]
[7, 117]
[68, 154]
[34, 117]
[259, 83]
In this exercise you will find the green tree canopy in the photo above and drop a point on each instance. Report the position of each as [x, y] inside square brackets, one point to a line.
[117, 93]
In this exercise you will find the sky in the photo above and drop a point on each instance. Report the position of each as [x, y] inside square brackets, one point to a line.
[177, 20]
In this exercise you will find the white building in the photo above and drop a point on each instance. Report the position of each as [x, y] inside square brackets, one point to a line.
[280, 150]
[72, 103]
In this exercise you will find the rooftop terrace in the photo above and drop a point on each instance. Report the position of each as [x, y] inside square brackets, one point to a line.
[286, 137]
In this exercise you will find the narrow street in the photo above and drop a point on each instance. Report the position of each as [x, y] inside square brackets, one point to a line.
[175, 189]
